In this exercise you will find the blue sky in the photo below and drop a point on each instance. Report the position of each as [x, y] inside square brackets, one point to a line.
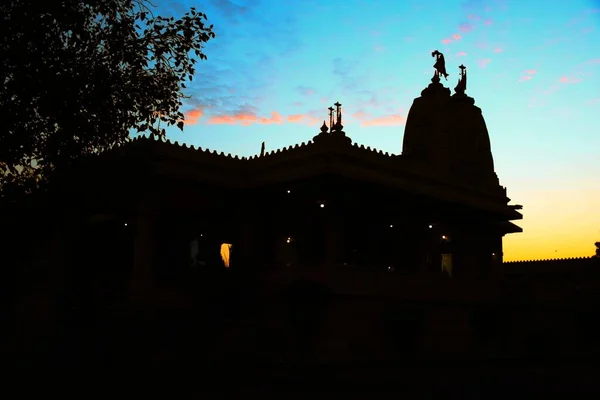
[534, 69]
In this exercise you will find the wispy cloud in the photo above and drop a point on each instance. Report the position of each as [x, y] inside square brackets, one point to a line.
[528, 75]
[245, 119]
[466, 27]
[248, 116]
[387, 120]
[461, 54]
[230, 77]
[483, 62]
[569, 79]
[193, 117]
[302, 119]
[392, 119]
[305, 91]
[498, 50]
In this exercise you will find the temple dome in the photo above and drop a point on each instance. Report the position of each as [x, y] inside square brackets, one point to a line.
[448, 135]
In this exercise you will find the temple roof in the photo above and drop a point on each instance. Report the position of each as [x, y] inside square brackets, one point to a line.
[449, 134]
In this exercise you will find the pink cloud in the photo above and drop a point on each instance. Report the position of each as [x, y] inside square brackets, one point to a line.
[488, 22]
[245, 119]
[473, 17]
[456, 36]
[498, 50]
[379, 48]
[295, 118]
[302, 118]
[446, 41]
[192, 117]
[594, 61]
[461, 54]
[465, 27]
[388, 120]
[568, 79]
[484, 62]
[525, 78]
[531, 72]
[360, 115]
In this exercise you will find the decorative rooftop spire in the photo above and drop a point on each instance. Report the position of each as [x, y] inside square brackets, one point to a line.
[331, 118]
[338, 123]
[324, 128]
[461, 87]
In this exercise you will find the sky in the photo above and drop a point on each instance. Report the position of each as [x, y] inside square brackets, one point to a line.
[275, 67]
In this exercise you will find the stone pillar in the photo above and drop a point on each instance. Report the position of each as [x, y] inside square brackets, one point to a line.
[144, 254]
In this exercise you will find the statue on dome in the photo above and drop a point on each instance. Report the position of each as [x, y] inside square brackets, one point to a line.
[461, 87]
[440, 66]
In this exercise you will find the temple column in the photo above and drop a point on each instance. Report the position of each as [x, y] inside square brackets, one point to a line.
[144, 254]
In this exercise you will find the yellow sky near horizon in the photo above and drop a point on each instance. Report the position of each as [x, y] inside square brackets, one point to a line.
[548, 212]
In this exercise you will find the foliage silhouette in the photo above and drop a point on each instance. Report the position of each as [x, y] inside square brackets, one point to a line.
[597, 249]
[79, 76]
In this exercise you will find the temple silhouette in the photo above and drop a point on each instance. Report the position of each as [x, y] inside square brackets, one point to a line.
[319, 253]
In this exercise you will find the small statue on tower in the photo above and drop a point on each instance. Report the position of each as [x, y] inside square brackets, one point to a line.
[461, 87]
[440, 66]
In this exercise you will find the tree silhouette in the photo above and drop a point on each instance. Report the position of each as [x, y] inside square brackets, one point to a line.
[78, 76]
[597, 249]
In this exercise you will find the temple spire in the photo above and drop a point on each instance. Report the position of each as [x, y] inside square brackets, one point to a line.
[461, 87]
[324, 128]
[338, 123]
[330, 118]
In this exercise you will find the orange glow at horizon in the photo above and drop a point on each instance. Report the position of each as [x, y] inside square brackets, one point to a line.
[556, 224]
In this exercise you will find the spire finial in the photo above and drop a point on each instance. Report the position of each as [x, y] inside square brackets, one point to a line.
[338, 123]
[461, 87]
[324, 128]
[331, 117]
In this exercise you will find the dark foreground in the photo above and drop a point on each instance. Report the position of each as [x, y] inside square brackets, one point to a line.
[172, 358]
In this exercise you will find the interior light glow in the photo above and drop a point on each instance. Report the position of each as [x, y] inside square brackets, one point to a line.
[430, 226]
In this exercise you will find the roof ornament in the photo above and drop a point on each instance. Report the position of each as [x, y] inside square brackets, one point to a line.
[324, 128]
[440, 67]
[338, 112]
[331, 118]
[262, 149]
[461, 87]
